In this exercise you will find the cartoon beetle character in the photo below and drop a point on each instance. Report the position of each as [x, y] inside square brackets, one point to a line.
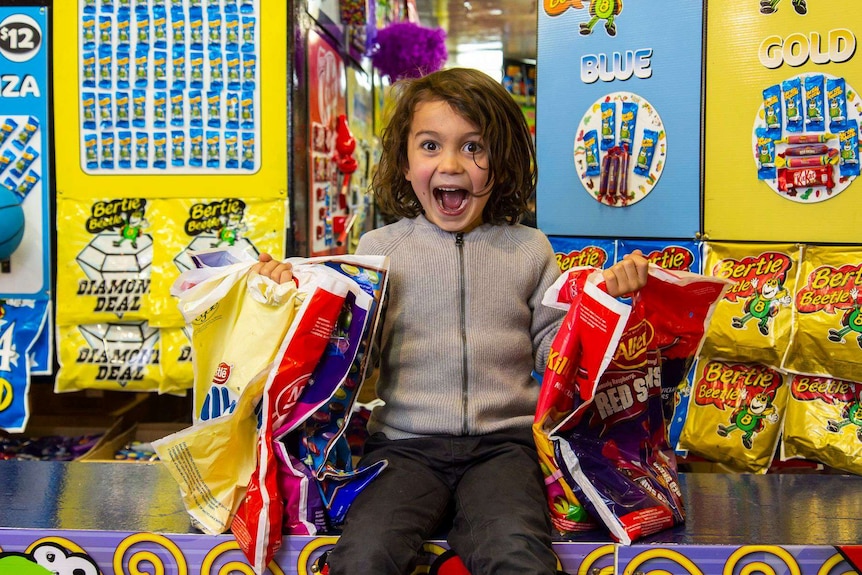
[851, 413]
[764, 304]
[748, 417]
[131, 229]
[852, 321]
[605, 10]
[231, 230]
[770, 6]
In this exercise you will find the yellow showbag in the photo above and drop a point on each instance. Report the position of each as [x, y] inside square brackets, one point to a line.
[241, 323]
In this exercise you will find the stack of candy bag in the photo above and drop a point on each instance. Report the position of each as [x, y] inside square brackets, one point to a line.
[601, 423]
[277, 369]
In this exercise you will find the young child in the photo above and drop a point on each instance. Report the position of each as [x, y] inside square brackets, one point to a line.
[463, 329]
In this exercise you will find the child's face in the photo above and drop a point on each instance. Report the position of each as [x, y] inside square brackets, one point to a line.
[447, 167]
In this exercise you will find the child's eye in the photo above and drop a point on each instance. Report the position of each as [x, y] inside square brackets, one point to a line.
[473, 147]
[429, 146]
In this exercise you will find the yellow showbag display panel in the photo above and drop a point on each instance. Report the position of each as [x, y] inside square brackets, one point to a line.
[189, 99]
[782, 113]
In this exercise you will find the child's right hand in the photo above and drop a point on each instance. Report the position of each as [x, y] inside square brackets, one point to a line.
[280, 272]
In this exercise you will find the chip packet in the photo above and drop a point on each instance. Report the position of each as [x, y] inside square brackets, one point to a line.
[753, 322]
[827, 314]
[823, 422]
[734, 414]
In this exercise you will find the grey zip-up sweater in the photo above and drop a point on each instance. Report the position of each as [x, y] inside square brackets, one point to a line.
[463, 328]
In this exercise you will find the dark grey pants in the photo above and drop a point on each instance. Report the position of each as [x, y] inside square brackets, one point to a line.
[489, 486]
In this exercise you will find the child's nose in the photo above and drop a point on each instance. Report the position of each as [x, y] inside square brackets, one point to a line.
[450, 162]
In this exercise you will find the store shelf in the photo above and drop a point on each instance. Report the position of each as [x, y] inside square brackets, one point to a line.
[117, 514]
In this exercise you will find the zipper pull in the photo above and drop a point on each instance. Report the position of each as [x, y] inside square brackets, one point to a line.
[459, 239]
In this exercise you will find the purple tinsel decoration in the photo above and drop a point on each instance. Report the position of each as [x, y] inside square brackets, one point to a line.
[408, 50]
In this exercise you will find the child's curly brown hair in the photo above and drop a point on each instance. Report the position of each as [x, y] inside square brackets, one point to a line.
[482, 101]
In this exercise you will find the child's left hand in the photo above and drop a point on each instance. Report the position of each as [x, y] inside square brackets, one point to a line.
[628, 275]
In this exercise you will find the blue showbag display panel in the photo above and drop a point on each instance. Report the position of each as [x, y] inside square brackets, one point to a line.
[24, 153]
[618, 118]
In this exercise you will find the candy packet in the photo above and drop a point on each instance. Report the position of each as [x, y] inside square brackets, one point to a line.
[611, 441]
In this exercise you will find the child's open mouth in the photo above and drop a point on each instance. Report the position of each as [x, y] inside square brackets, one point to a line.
[451, 200]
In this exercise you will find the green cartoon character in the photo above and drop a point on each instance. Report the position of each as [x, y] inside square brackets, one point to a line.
[748, 418]
[231, 230]
[764, 304]
[131, 230]
[605, 10]
[47, 559]
[851, 413]
[771, 6]
[852, 321]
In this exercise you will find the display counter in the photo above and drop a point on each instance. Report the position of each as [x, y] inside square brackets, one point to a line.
[124, 518]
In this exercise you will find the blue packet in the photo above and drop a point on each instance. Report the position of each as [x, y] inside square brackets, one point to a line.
[106, 25]
[249, 72]
[107, 151]
[772, 111]
[214, 24]
[25, 160]
[178, 26]
[27, 184]
[848, 140]
[178, 68]
[91, 151]
[142, 74]
[216, 69]
[26, 134]
[196, 28]
[160, 109]
[142, 149]
[106, 67]
[628, 123]
[122, 105]
[88, 31]
[106, 111]
[196, 149]
[609, 125]
[178, 148]
[196, 115]
[10, 125]
[791, 93]
[643, 163]
[248, 153]
[213, 149]
[231, 151]
[231, 27]
[139, 108]
[160, 150]
[591, 153]
[125, 150]
[249, 23]
[234, 73]
[836, 99]
[246, 106]
[766, 169]
[196, 70]
[214, 109]
[6, 160]
[160, 69]
[88, 70]
[814, 103]
[124, 24]
[123, 63]
[142, 27]
[232, 111]
[178, 108]
[160, 28]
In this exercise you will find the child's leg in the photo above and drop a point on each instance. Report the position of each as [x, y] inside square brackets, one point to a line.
[393, 516]
[501, 524]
